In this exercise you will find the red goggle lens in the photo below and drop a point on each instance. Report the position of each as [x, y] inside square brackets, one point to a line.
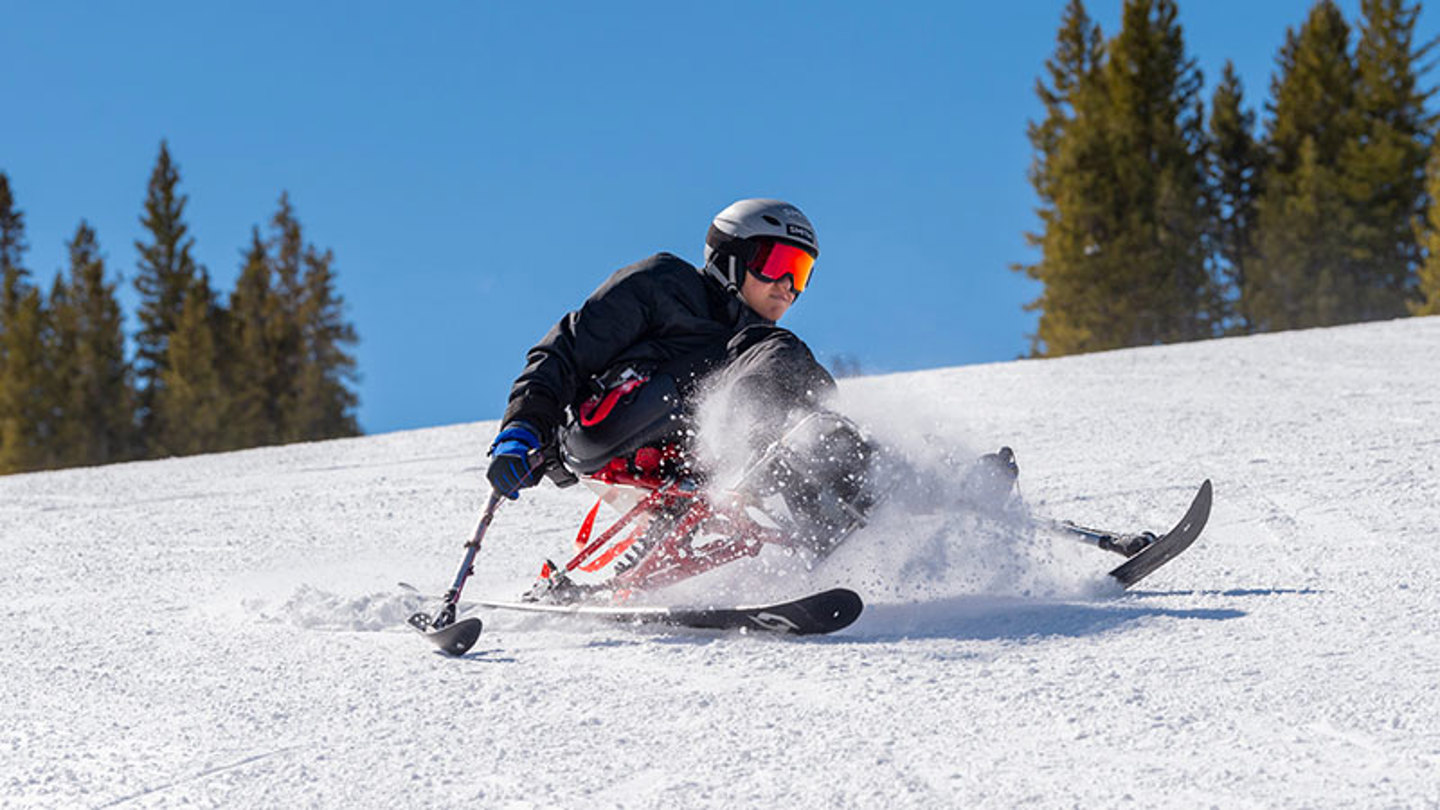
[776, 260]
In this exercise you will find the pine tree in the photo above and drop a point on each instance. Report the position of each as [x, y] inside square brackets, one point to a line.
[306, 338]
[1060, 144]
[12, 252]
[284, 331]
[93, 401]
[1159, 149]
[324, 402]
[255, 385]
[166, 272]
[1304, 268]
[193, 403]
[1385, 167]
[1236, 160]
[25, 425]
[12, 267]
[23, 323]
[1429, 235]
[1079, 53]
[62, 447]
[1124, 247]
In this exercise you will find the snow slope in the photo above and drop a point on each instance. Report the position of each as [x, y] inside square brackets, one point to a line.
[226, 630]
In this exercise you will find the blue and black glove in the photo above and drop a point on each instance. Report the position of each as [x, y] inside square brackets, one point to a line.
[515, 460]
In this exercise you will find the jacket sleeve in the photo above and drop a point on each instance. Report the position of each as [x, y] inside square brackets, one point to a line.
[581, 345]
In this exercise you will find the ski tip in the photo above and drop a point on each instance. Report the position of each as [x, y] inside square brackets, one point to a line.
[848, 607]
[838, 608]
[843, 596]
[1205, 498]
[455, 640]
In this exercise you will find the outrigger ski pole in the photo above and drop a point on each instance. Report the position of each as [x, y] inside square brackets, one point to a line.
[452, 637]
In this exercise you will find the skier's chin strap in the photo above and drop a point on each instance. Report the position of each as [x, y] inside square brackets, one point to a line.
[729, 280]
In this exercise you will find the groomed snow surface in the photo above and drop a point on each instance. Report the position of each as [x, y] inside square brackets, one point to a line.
[227, 630]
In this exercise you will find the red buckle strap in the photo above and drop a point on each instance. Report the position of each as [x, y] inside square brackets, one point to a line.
[594, 410]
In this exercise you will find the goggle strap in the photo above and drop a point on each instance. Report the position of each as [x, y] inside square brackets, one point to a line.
[723, 242]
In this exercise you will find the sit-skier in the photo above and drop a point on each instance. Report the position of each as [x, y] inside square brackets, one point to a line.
[627, 368]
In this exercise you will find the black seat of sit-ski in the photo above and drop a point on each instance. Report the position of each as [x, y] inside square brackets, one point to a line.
[646, 415]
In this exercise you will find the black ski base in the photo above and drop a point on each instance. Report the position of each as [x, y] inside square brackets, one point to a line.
[454, 639]
[819, 613]
[1169, 545]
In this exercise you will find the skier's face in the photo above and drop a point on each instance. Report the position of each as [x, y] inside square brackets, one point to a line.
[770, 299]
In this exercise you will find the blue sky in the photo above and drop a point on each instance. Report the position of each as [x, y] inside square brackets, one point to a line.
[478, 168]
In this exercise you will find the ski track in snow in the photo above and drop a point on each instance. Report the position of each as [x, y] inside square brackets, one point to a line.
[228, 630]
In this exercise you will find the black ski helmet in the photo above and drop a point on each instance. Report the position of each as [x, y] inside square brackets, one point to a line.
[730, 242]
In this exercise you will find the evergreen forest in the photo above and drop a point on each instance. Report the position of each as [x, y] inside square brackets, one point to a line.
[1166, 216]
[1167, 211]
[270, 363]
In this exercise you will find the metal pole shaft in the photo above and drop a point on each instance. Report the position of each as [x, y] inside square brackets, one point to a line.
[467, 567]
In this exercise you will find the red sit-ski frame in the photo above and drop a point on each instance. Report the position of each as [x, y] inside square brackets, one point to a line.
[671, 495]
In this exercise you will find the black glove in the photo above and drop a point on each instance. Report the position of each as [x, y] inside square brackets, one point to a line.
[515, 460]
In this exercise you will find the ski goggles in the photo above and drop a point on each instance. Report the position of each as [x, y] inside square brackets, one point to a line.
[774, 261]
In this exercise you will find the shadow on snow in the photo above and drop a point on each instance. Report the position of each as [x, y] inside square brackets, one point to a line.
[994, 618]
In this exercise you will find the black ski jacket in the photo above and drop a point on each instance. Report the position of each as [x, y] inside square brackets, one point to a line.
[657, 314]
